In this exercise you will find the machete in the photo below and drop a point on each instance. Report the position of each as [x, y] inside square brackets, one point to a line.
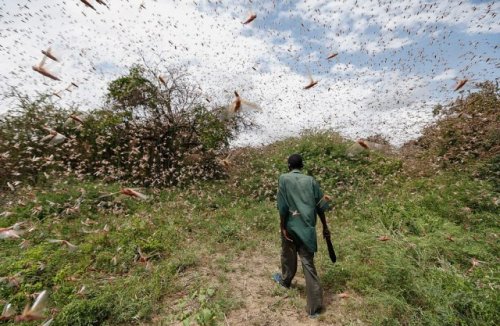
[331, 251]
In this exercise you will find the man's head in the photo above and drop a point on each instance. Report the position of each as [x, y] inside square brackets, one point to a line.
[295, 162]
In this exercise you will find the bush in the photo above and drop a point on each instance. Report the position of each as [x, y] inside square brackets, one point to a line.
[469, 129]
[150, 132]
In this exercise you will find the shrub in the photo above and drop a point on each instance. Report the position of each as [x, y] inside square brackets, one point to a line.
[468, 129]
[150, 132]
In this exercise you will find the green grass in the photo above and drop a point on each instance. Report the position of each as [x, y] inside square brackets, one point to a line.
[421, 276]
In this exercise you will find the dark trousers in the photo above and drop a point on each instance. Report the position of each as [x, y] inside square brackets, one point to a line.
[314, 292]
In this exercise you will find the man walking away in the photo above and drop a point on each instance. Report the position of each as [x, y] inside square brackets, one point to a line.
[299, 200]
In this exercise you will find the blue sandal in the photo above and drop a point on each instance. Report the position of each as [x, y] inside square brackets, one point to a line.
[314, 316]
[279, 279]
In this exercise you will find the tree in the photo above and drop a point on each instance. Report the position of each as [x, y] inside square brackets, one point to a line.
[152, 130]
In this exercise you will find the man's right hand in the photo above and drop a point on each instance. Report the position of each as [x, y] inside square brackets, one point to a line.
[286, 234]
[326, 233]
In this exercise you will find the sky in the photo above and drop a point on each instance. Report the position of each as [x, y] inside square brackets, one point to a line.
[396, 59]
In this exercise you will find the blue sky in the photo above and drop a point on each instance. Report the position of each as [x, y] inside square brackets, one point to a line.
[396, 58]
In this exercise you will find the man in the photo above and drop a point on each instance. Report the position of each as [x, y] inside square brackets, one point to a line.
[299, 201]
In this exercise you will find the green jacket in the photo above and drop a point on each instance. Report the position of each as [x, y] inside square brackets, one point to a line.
[299, 200]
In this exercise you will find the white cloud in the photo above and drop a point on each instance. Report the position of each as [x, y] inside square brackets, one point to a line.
[355, 94]
[446, 75]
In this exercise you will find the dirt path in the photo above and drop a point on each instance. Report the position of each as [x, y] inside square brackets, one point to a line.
[265, 303]
[258, 300]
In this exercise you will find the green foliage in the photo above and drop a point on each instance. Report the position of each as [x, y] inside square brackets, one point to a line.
[20, 133]
[204, 312]
[133, 90]
[438, 265]
[423, 274]
[86, 312]
[468, 131]
[212, 131]
[149, 133]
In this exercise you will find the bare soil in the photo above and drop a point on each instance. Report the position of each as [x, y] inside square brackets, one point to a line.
[258, 300]
[263, 302]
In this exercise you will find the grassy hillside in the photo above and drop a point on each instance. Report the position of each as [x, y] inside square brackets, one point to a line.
[168, 259]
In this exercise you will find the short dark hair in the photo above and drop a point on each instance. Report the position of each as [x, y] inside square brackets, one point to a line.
[295, 162]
